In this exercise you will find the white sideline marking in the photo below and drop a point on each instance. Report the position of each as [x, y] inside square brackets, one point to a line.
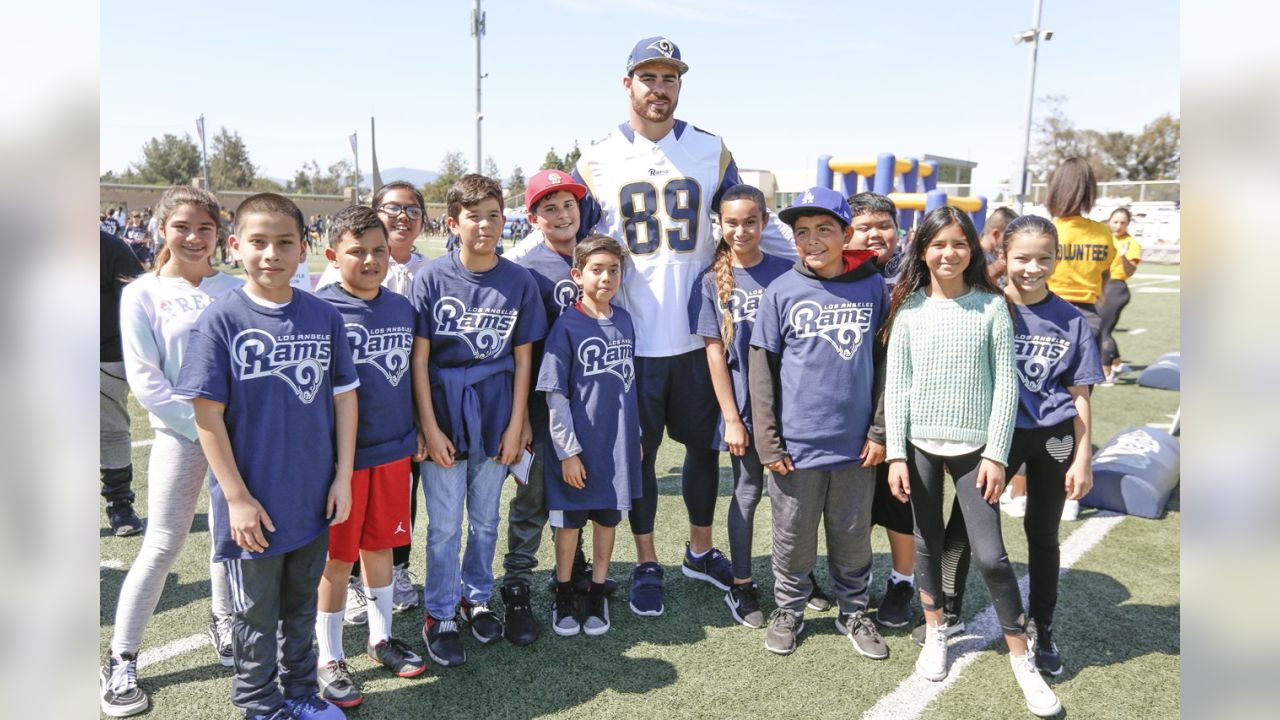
[143, 443]
[173, 649]
[1162, 279]
[914, 694]
[1137, 331]
[1158, 290]
[111, 564]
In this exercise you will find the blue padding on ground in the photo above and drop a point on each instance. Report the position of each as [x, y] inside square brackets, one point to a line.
[1135, 472]
[1163, 374]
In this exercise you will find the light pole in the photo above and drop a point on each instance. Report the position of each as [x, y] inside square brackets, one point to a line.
[204, 155]
[1033, 37]
[477, 31]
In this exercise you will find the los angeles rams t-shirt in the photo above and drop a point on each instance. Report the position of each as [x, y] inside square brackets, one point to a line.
[474, 320]
[380, 334]
[825, 333]
[706, 312]
[276, 369]
[1054, 349]
[550, 270]
[591, 361]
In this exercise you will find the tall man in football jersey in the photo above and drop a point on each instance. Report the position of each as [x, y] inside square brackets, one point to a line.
[653, 182]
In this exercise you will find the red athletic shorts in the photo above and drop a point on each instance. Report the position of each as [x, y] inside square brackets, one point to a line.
[379, 512]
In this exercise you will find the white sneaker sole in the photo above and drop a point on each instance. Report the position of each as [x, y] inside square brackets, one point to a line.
[691, 573]
[1046, 712]
[740, 620]
[642, 613]
[564, 632]
[125, 710]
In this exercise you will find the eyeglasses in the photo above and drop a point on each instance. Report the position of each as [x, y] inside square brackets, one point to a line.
[393, 209]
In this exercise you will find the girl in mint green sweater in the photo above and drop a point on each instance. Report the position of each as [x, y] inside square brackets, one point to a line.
[951, 398]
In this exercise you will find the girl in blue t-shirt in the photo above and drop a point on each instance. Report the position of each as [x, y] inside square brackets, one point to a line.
[723, 312]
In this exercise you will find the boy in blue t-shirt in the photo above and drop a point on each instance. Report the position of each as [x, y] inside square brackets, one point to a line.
[588, 375]
[379, 328]
[552, 199]
[478, 316]
[264, 366]
[812, 387]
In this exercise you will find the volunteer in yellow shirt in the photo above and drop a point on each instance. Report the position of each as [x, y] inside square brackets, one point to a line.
[1115, 294]
[1086, 248]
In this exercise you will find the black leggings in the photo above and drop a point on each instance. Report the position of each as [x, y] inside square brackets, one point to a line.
[983, 522]
[1115, 296]
[1047, 453]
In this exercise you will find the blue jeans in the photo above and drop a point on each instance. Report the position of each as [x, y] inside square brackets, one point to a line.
[478, 483]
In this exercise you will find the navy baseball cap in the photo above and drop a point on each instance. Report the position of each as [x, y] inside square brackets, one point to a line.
[819, 199]
[656, 49]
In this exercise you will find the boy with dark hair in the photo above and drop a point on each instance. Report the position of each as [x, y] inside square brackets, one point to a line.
[875, 228]
[478, 316]
[992, 242]
[263, 364]
[588, 375]
[812, 381]
[379, 328]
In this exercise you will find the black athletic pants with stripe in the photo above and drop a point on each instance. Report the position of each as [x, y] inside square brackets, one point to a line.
[1047, 453]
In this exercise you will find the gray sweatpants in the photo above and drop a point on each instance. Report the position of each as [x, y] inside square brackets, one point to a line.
[526, 521]
[175, 474]
[115, 450]
[841, 500]
[266, 592]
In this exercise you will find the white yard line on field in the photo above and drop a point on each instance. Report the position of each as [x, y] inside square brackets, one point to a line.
[1141, 282]
[110, 564]
[914, 694]
[143, 443]
[173, 649]
[1136, 331]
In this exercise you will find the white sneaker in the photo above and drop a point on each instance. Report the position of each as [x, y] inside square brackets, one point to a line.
[357, 612]
[1071, 510]
[1041, 699]
[1014, 507]
[403, 594]
[931, 664]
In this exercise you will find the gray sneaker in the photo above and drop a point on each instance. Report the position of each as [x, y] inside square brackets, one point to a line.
[220, 637]
[118, 687]
[597, 622]
[357, 612]
[863, 634]
[784, 627]
[337, 686]
[403, 594]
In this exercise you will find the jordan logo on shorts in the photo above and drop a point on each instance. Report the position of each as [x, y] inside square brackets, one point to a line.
[613, 357]
[301, 361]
[399, 528]
[1035, 356]
[843, 325]
[484, 330]
[384, 348]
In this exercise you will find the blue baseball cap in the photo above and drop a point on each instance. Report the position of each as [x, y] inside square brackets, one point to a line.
[656, 49]
[819, 199]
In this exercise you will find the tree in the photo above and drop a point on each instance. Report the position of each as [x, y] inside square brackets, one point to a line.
[1153, 154]
[452, 168]
[570, 160]
[552, 161]
[229, 165]
[1157, 153]
[516, 184]
[491, 169]
[169, 160]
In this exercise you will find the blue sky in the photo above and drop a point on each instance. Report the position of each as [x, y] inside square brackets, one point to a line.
[782, 82]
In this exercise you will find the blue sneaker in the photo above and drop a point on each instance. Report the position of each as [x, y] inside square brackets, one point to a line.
[280, 714]
[313, 707]
[646, 589]
[713, 567]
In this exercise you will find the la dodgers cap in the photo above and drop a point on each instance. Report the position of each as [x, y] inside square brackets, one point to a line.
[656, 49]
[549, 181]
[820, 199]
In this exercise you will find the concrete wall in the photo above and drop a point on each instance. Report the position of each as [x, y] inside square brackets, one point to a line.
[137, 197]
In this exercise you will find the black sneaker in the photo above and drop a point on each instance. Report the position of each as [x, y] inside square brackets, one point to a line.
[124, 521]
[863, 634]
[220, 637]
[118, 686]
[818, 600]
[485, 625]
[564, 611]
[443, 641]
[950, 621]
[519, 626]
[581, 573]
[895, 606]
[337, 685]
[713, 567]
[1048, 659]
[396, 656]
[784, 627]
[744, 603]
[597, 611]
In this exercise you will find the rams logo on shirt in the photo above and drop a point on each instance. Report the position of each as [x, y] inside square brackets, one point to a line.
[1036, 355]
[386, 349]
[301, 361]
[613, 357]
[843, 325]
[484, 330]
[742, 305]
[566, 294]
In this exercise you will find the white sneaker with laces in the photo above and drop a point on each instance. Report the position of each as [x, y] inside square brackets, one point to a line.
[403, 593]
[1041, 700]
[932, 661]
[1071, 510]
[357, 612]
